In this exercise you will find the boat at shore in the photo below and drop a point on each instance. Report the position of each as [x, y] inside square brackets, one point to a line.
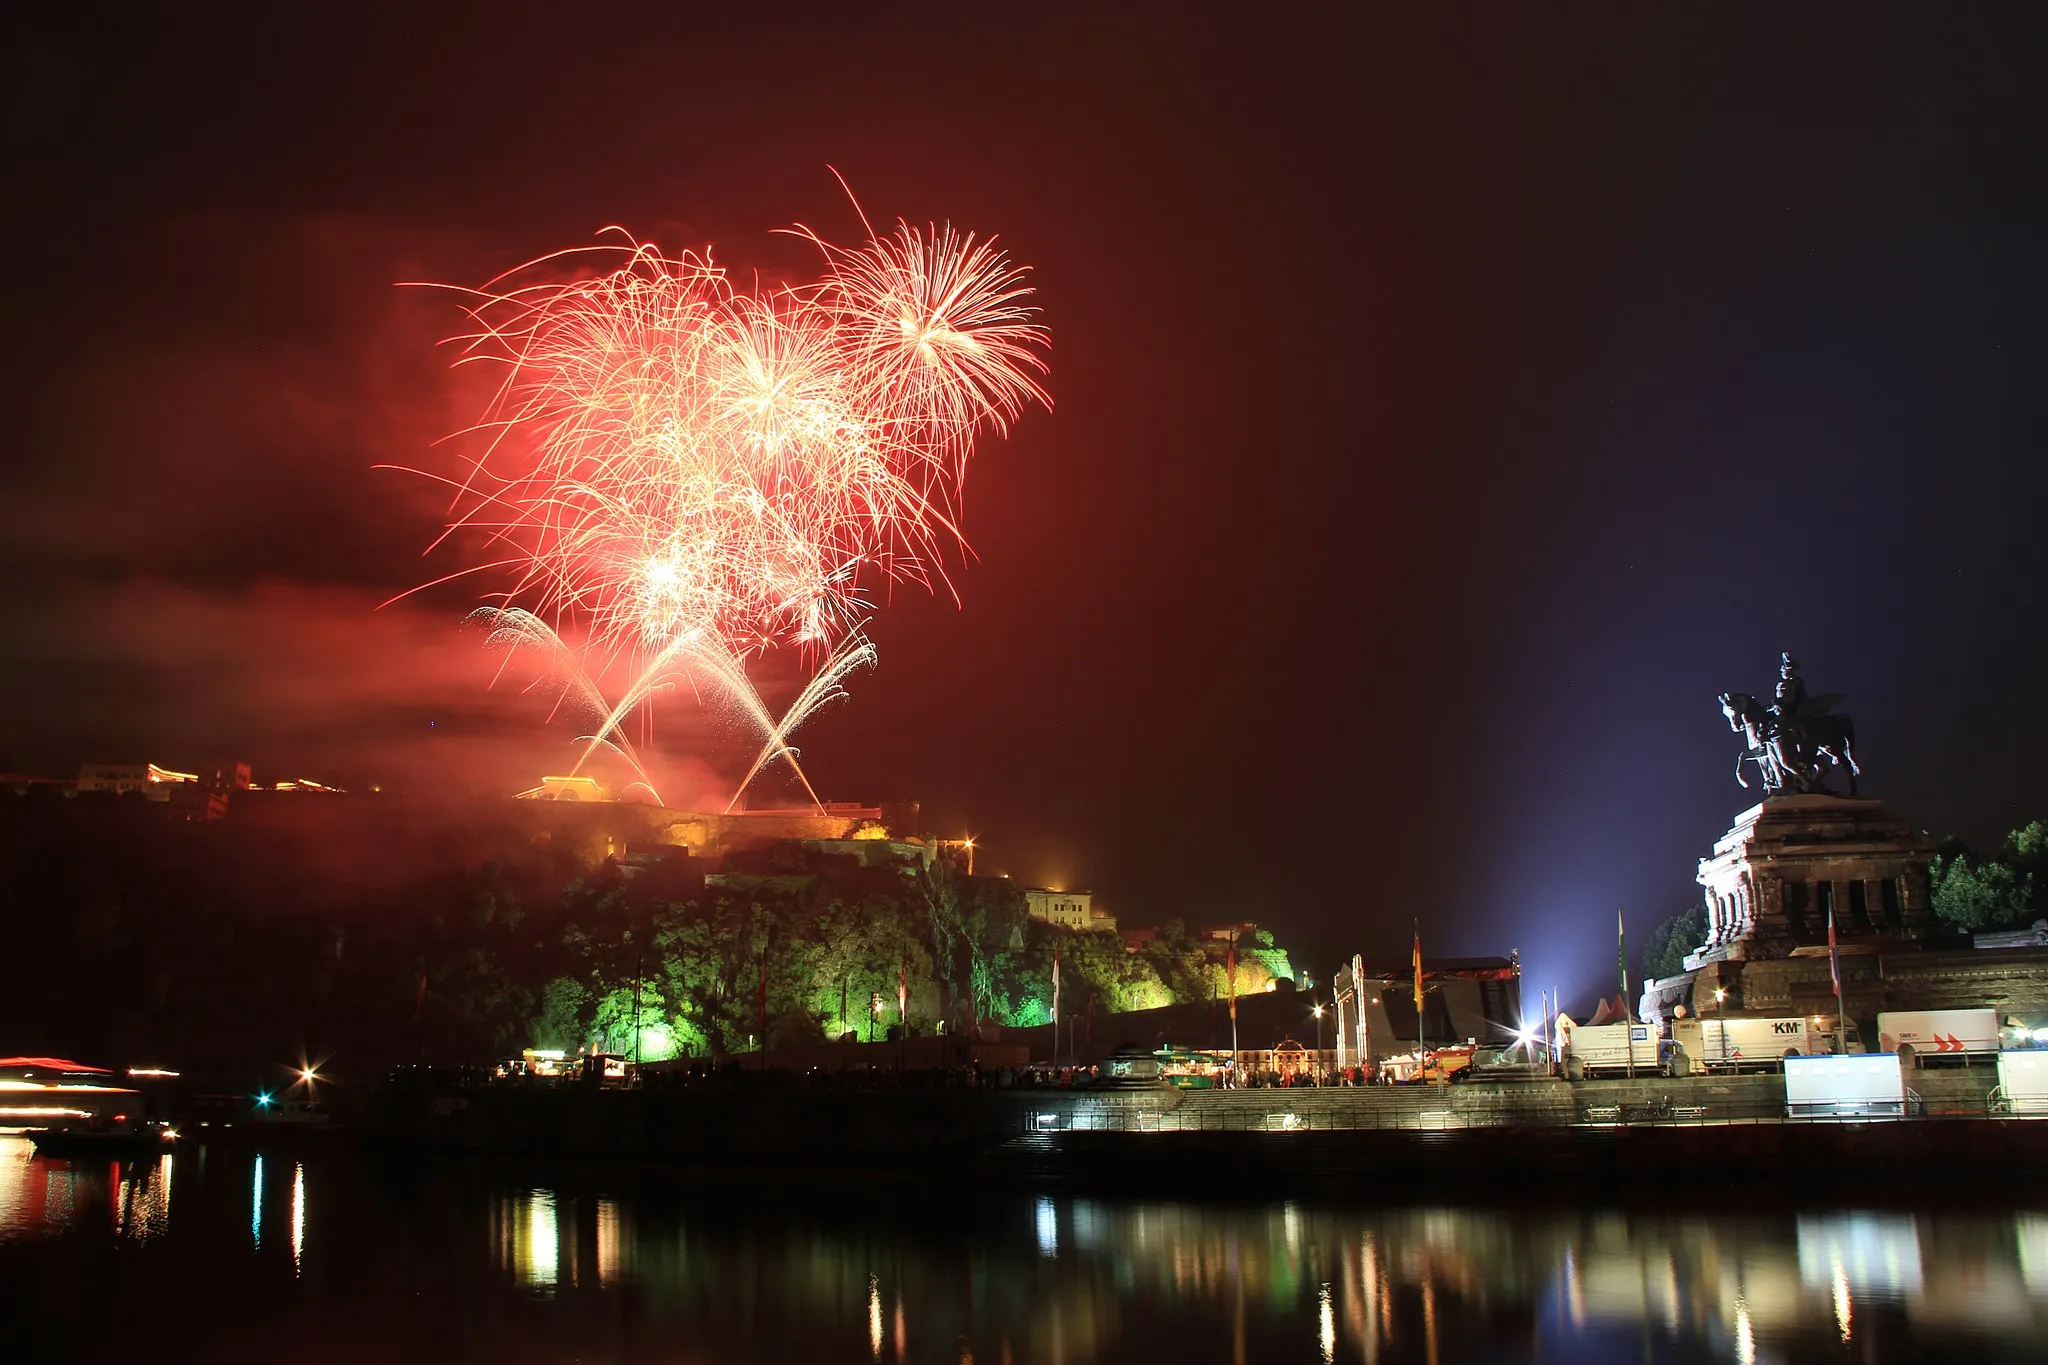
[55, 1100]
[120, 1140]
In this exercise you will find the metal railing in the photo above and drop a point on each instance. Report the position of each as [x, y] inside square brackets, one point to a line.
[1305, 1112]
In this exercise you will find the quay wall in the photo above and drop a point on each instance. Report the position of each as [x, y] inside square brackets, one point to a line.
[891, 1127]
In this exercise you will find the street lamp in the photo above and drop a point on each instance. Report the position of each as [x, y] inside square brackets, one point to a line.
[1318, 1013]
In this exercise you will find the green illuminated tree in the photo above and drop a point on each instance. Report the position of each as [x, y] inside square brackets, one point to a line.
[1100, 967]
[996, 914]
[564, 1020]
[1181, 962]
[1979, 893]
[617, 1027]
[1665, 950]
[1269, 956]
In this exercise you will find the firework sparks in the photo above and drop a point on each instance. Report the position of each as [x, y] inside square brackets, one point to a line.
[682, 475]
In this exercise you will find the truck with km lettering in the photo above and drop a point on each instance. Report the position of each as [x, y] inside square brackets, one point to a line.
[1939, 1037]
[1738, 1044]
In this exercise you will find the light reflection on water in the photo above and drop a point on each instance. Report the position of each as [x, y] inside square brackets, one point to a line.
[824, 1271]
[130, 1198]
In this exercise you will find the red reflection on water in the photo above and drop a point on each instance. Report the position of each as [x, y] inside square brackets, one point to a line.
[51, 1196]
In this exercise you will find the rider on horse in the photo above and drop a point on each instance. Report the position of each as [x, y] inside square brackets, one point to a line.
[1785, 736]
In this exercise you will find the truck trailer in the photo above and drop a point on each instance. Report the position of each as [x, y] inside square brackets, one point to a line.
[1872, 1085]
[2022, 1084]
[1748, 1044]
[1616, 1049]
[1938, 1036]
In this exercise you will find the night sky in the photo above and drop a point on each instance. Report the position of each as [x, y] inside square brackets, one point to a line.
[1447, 408]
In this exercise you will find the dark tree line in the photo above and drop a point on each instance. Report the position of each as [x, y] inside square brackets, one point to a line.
[2001, 890]
[136, 938]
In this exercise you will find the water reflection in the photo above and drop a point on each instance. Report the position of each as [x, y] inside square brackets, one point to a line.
[2031, 1229]
[130, 1197]
[298, 1214]
[635, 1272]
[143, 1205]
[527, 1237]
[1434, 1284]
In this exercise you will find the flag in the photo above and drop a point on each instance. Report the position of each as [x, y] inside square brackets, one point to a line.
[1418, 981]
[1055, 986]
[1835, 972]
[903, 990]
[1230, 970]
[1621, 961]
[1834, 964]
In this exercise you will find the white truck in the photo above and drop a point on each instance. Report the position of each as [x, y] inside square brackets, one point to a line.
[1748, 1044]
[1944, 1036]
[2022, 1084]
[1614, 1050]
[1829, 1087]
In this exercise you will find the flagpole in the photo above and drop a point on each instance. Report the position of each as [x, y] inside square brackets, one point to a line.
[1055, 1008]
[1364, 1016]
[1628, 1016]
[1417, 963]
[1835, 971]
[1231, 971]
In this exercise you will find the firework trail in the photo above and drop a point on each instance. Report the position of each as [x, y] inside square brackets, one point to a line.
[681, 474]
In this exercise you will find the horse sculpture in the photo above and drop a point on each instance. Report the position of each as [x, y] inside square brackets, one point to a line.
[1788, 751]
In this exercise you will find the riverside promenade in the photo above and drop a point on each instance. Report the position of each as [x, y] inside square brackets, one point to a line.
[1473, 1136]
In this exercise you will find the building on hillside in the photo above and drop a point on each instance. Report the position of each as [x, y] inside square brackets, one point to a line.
[153, 782]
[578, 788]
[23, 783]
[190, 796]
[307, 784]
[1063, 909]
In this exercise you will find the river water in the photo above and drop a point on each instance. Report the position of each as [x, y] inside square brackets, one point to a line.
[226, 1256]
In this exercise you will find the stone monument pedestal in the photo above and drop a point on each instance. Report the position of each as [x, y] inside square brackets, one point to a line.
[1769, 886]
[1790, 861]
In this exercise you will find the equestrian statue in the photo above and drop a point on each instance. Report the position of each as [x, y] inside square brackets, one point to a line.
[1794, 741]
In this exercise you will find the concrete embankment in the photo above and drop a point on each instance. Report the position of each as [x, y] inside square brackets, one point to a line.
[1497, 1137]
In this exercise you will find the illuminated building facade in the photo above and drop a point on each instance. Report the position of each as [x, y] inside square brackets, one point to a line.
[1065, 909]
